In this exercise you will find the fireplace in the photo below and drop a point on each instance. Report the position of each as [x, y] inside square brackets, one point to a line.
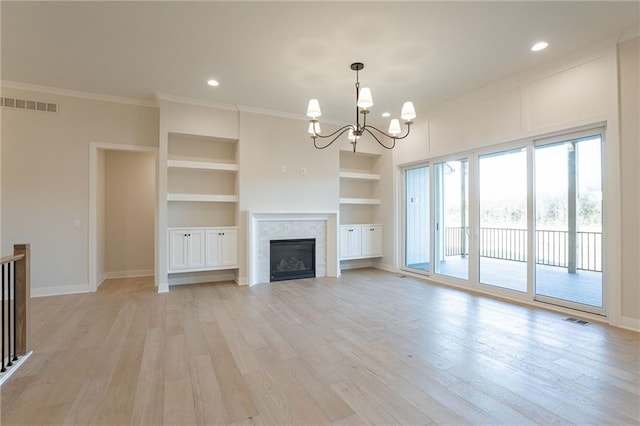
[292, 259]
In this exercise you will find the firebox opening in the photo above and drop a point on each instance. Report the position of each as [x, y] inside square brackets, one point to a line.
[292, 259]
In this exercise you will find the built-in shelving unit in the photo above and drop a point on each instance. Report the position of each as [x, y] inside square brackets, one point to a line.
[359, 177]
[360, 236]
[202, 181]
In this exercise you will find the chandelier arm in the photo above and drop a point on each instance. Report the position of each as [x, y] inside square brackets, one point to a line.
[340, 132]
[378, 140]
[408, 123]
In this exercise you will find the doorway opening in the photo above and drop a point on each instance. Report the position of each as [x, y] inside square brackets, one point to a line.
[122, 216]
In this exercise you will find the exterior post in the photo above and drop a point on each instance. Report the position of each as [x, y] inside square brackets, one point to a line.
[572, 242]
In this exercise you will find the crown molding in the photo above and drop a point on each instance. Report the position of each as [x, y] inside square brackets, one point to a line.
[629, 34]
[281, 114]
[192, 101]
[76, 94]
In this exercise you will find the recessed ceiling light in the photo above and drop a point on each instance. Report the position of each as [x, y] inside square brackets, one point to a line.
[213, 83]
[539, 46]
[386, 114]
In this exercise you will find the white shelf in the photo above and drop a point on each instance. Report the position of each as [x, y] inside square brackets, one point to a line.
[203, 165]
[360, 175]
[365, 201]
[212, 198]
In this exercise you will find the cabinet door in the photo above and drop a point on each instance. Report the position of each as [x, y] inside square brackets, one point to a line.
[350, 244]
[178, 250]
[212, 248]
[195, 250]
[229, 247]
[372, 240]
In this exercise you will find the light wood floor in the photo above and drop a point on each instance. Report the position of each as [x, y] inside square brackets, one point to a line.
[370, 347]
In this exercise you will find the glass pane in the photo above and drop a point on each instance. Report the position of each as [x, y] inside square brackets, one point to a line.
[417, 255]
[503, 219]
[451, 247]
[569, 221]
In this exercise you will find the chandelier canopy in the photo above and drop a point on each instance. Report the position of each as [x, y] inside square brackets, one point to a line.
[364, 100]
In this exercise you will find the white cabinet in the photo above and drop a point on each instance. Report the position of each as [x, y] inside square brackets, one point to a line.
[221, 248]
[186, 249]
[202, 249]
[360, 241]
[350, 242]
[371, 240]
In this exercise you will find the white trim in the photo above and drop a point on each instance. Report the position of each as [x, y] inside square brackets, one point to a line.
[163, 288]
[192, 101]
[93, 200]
[77, 94]
[346, 264]
[630, 323]
[201, 279]
[282, 114]
[128, 274]
[5, 376]
[60, 290]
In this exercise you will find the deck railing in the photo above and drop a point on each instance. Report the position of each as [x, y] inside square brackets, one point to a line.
[14, 309]
[552, 247]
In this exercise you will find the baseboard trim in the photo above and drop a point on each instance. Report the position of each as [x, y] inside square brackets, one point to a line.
[201, 279]
[242, 280]
[128, 274]
[59, 291]
[5, 376]
[163, 288]
[629, 323]
[385, 267]
[345, 265]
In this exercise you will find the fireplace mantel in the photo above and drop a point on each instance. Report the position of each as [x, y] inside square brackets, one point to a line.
[264, 226]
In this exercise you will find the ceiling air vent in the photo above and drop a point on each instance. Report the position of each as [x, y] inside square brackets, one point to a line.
[28, 105]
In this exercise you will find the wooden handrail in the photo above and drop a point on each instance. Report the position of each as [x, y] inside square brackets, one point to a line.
[8, 259]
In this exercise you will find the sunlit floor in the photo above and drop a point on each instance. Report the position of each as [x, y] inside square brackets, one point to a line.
[582, 287]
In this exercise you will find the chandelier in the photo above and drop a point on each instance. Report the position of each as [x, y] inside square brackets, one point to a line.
[364, 100]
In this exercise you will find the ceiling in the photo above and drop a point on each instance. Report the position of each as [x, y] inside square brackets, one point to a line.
[277, 55]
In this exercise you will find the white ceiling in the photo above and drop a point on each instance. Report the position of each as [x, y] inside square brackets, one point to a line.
[277, 55]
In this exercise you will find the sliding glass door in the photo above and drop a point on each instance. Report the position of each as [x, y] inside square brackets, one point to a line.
[568, 225]
[451, 218]
[503, 219]
[417, 249]
[530, 217]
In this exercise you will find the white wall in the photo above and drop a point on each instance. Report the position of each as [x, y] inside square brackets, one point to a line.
[570, 93]
[267, 144]
[629, 70]
[129, 205]
[45, 179]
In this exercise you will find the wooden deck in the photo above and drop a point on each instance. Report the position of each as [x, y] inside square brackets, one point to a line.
[368, 348]
[582, 287]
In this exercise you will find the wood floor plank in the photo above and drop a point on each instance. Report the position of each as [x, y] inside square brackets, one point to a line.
[369, 347]
[235, 393]
[207, 397]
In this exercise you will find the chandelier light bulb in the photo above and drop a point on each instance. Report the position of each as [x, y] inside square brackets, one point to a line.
[394, 127]
[351, 136]
[314, 128]
[365, 100]
[313, 110]
[408, 111]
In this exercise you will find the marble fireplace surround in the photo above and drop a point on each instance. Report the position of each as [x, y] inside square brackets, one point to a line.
[264, 227]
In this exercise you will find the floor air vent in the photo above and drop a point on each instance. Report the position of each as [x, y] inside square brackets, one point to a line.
[28, 105]
[577, 321]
